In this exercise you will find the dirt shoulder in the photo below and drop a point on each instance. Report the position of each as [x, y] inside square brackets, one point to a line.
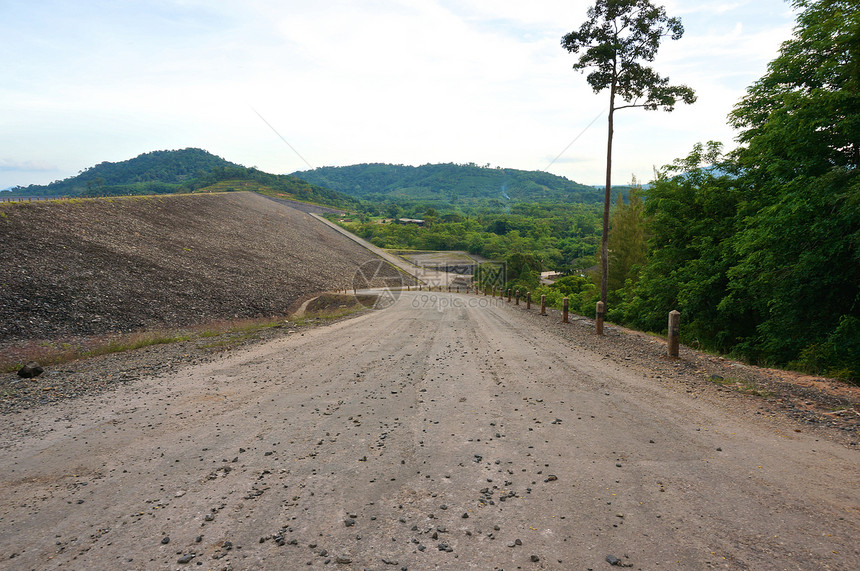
[827, 406]
[97, 375]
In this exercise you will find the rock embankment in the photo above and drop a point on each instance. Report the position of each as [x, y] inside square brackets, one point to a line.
[92, 267]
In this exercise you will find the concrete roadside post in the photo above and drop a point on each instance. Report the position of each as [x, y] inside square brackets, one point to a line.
[543, 304]
[509, 295]
[673, 343]
[517, 298]
[564, 309]
[599, 315]
[528, 300]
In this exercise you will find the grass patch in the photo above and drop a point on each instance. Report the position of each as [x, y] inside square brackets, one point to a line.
[223, 335]
[58, 352]
[332, 306]
[228, 341]
[48, 353]
[313, 318]
[138, 341]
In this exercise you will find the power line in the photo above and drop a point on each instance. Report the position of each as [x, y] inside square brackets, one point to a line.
[282, 138]
[599, 115]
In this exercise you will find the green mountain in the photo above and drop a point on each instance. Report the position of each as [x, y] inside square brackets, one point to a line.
[186, 170]
[449, 183]
[157, 172]
[227, 179]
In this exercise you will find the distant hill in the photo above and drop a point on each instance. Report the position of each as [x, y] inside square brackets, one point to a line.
[273, 185]
[450, 183]
[185, 170]
[157, 172]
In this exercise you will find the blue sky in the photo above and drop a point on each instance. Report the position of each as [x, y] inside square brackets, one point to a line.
[346, 82]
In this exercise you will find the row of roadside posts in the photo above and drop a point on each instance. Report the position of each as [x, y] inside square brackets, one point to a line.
[672, 343]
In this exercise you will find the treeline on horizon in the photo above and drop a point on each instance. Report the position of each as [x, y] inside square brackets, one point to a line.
[450, 185]
[156, 172]
[368, 188]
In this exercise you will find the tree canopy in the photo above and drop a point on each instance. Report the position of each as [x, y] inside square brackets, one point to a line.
[449, 183]
[760, 250]
[617, 37]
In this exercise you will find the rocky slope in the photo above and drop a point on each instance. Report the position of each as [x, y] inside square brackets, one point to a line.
[92, 267]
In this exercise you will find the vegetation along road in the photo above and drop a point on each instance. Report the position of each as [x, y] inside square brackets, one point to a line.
[445, 432]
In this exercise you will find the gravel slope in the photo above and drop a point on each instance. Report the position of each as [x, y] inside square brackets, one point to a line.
[91, 267]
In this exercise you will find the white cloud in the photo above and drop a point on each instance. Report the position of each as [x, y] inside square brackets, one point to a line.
[404, 81]
[26, 166]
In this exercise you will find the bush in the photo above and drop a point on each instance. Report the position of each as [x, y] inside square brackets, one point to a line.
[838, 356]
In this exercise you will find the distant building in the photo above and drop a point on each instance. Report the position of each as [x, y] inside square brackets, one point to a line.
[548, 278]
[414, 221]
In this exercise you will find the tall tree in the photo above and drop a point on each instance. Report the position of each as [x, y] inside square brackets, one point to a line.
[618, 36]
[628, 239]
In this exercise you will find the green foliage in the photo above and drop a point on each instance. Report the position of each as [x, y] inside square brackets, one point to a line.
[798, 266]
[150, 173]
[563, 237]
[802, 116]
[838, 355]
[761, 251]
[554, 297]
[692, 209]
[799, 248]
[628, 245]
[523, 271]
[581, 293]
[448, 185]
[618, 36]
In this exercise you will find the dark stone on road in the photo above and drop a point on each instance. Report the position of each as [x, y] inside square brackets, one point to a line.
[30, 371]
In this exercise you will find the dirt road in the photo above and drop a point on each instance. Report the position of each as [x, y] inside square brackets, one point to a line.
[442, 433]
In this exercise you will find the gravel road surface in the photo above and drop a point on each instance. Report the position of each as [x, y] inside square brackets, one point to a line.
[445, 432]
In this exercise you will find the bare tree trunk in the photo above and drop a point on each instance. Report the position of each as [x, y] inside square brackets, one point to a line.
[604, 239]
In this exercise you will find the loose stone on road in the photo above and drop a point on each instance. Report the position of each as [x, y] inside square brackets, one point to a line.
[434, 434]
